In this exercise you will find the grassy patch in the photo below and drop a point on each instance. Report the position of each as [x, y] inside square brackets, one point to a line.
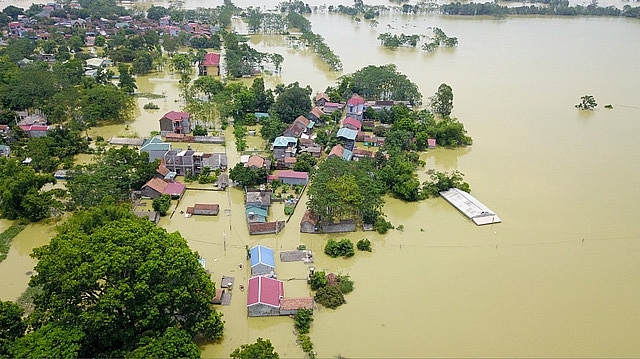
[6, 237]
[25, 301]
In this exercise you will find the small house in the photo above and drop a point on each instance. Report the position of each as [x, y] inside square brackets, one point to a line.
[5, 151]
[223, 181]
[352, 124]
[155, 147]
[210, 66]
[293, 177]
[262, 260]
[309, 222]
[204, 209]
[260, 198]
[156, 187]
[263, 298]
[256, 214]
[331, 107]
[299, 126]
[290, 306]
[266, 227]
[431, 143]
[315, 115]
[321, 99]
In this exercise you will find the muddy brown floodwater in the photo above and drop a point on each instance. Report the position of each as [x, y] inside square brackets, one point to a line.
[559, 277]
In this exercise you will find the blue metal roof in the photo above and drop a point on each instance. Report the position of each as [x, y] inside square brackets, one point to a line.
[256, 211]
[262, 255]
[347, 155]
[283, 141]
[347, 133]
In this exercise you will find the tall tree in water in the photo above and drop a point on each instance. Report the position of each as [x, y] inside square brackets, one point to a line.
[442, 100]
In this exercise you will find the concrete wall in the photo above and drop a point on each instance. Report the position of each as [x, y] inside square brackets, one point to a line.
[261, 310]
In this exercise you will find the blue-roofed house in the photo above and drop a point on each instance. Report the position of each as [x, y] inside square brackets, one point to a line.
[348, 136]
[284, 147]
[262, 260]
[155, 147]
[256, 214]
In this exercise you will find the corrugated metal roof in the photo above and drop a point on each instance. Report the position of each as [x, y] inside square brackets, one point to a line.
[470, 207]
[262, 255]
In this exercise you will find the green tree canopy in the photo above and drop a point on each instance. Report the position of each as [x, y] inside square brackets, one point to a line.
[128, 288]
[115, 173]
[261, 349]
[379, 83]
[292, 101]
[21, 192]
[442, 100]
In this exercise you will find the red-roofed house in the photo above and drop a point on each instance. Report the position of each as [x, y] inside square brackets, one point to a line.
[355, 107]
[156, 187]
[204, 209]
[35, 130]
[352, 123]
[175, 122]
[211, 65]
[336, 151]
[263, 297]
[257, 162]
[290, 306]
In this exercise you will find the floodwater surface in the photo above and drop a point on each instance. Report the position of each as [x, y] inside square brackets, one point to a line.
[559, 277]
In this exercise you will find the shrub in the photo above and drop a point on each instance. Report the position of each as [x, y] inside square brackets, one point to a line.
[303, 320]
[151, 106]
[345, 284]
[162, 204]
[364, 245]
[318, 280]
[382, 226]
[289, 209]
[342, 248]
[330, 297]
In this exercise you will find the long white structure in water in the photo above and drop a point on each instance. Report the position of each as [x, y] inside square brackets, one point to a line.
[471, 207]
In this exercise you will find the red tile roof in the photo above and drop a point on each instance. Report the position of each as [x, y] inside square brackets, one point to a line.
[353, 122]
[310, 217]
[355, 100]
[337, 150]
[255, 161]
[211, 59]
[316, 111]
[176, 116]
[296, 303]
[264, 290]
[293, 174]
[157, 185]
[175, 189]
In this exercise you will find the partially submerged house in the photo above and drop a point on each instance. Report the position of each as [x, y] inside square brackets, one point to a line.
[309, 222]
[155, 147]
[175, 122]
[204, 209]
[263, 297]
[262, 260]
[210, 66]
[266, 227]
[291, 306]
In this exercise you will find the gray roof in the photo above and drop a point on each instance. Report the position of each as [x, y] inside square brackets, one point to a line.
[470, 207]
[126, 141]
[347, 133]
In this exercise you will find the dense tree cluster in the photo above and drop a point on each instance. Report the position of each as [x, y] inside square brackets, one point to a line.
[22, 194]
[262, 349]
[116, 173]
[376, 83]
[100, 276]
[551, 7]
[246, 176]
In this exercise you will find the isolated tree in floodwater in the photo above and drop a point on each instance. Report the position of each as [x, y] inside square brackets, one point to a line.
[442, 100]
[587, 102]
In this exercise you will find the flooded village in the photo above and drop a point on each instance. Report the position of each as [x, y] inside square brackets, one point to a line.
[556, 277]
